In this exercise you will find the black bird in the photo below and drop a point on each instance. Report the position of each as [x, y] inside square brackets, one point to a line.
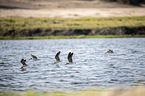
[34, 57]
[57, 57]
[23, 61]
[69, 57]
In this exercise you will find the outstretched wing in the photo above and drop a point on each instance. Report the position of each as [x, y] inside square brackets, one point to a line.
[34, 56]
[57, 56]
[70, 57]
[110, 51]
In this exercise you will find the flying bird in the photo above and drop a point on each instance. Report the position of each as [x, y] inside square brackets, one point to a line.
[110, 51]
[23, 61]
[57, 57]
[69, 57]
[33, 57]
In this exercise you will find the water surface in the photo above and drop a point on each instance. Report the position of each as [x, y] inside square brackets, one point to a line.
[91, 68]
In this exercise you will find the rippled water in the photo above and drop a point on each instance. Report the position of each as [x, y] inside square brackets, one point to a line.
[91, 68]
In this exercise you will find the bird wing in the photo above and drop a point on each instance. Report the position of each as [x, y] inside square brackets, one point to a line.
[70, 57]
[57, 56]
[34, 56]
[22, 60]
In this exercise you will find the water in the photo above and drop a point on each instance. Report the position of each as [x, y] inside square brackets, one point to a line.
[91, 68]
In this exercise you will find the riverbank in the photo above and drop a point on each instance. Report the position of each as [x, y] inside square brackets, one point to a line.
[33, 27]
[33, 18]
[71, 37]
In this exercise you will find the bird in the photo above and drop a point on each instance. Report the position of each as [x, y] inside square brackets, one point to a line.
[57, 57]
[23, 61]
[110, 51]
[69, 57]
[33, 57]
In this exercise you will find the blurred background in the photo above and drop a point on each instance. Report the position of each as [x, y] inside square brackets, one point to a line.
[71, 8]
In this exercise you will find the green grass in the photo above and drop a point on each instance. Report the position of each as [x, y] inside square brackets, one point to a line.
[63, 23]
[71, 37]
[17, 24]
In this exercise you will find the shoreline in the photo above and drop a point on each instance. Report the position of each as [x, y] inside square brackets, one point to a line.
[31, 27]
[71, 37]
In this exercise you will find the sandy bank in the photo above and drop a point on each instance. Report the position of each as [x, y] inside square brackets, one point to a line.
[67, 8]
[73, 12]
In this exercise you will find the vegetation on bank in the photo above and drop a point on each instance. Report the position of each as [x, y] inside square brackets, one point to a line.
[71, 37]
[69, 23]
[64, 28]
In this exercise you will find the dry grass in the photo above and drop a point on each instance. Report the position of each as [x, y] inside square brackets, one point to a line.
[137, 91]
[81, 23]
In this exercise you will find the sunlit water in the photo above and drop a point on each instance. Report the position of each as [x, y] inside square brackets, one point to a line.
[91, 67]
